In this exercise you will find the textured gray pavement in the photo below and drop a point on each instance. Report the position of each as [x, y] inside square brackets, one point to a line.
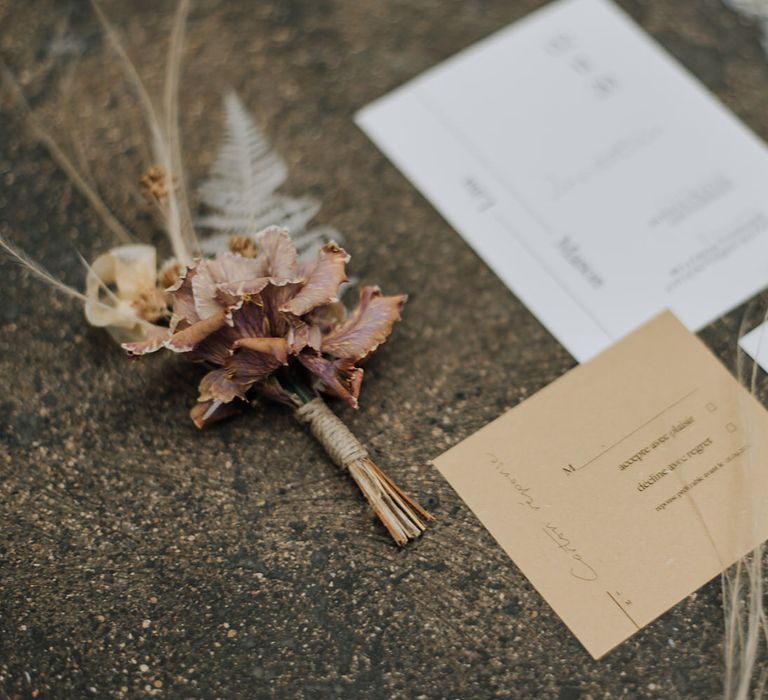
[138, 555]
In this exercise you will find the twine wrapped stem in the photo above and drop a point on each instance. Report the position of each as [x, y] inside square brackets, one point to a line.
[404, 518]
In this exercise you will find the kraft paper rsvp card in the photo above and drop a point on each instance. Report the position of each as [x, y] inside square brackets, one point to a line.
[626, 484]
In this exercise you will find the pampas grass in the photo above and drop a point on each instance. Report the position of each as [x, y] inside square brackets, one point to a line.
[166, 150]
[743, 589]
[39, 133]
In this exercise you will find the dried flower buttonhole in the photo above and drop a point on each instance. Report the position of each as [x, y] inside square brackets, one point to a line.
[274, 326]
[264, 319]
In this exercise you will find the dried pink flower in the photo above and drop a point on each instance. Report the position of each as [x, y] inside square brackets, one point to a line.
[122, 293]
[263, 322]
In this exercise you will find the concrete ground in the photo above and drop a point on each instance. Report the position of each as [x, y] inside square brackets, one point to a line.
[139, 556]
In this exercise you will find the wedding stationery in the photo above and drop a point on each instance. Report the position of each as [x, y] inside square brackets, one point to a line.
[626, 484]
[593, 174]
[755, 344]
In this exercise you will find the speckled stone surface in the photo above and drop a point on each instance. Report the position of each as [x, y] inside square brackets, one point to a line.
[139, 556]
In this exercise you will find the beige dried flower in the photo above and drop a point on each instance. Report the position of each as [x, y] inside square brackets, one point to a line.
[153, 184]
[243, 245]
[122, 293]
[169, 273]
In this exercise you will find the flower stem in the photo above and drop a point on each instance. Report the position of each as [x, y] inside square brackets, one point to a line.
[304, 393]
[402, 516]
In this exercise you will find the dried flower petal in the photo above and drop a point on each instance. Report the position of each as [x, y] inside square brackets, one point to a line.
[183, 299]
[228, 269]
[189, 338]
[340, 378]
[216, 349]
[232, 268]
[368, 327]
[327, 317]
[277, 347]
[301, 335]
[247, 366]
[271, 389]
[244, 287]
[272, 299]
[158, 336]
[278, 256]
[217, 386]
[249, 320]
[204, 291]
[207, 412]
[323, 281]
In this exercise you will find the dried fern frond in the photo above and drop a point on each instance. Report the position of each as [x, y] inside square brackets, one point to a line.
[241, 190]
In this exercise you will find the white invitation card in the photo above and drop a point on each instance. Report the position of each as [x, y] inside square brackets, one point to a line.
[755, 344]
[595, 176]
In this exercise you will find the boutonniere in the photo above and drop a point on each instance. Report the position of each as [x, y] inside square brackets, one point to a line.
[250, 291]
